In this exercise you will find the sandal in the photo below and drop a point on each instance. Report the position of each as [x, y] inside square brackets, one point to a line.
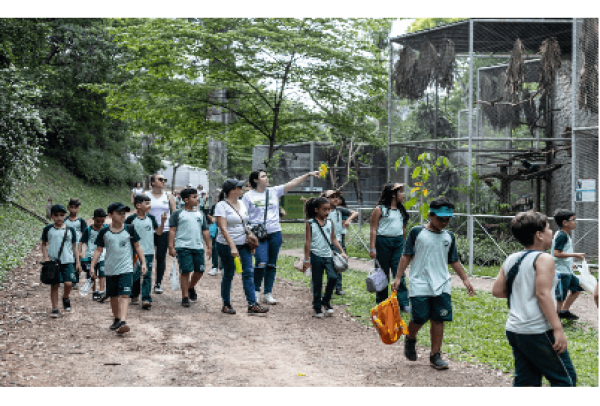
[228, 310]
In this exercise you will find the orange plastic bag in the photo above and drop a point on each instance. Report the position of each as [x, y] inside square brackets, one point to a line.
[386, 319]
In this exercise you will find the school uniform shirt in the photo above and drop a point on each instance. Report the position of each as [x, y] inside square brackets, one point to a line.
[562, 241]
[234, 223]
[336, 216]
[525, 315]
[432, 252]
[319, 245]
[160, 206]
[145, 228]
[89, 239]
[119, 250]
[78, 224]
[391, 222]
[54, 237]
[190, 225]
[255, 204]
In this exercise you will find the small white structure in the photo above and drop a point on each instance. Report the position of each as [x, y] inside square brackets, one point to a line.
[185, 175]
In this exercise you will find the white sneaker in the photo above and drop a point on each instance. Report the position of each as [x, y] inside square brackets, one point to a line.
[329, 311]
[318, 315]
[268, 298]
[257, 295]
[213, 272]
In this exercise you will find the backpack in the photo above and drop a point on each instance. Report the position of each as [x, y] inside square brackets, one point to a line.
[387, 321]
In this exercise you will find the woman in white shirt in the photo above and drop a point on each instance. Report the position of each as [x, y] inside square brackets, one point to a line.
[137, 190]
[232, 218]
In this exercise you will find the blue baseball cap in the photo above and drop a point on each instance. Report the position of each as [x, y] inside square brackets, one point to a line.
[443, 211]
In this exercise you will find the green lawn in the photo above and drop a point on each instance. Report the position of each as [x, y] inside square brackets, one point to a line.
[20, 231]
[477, 333]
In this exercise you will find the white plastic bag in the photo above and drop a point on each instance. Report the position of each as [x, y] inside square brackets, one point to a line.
[175, 276]
[586, 279]
[377, 279]
[87, 286]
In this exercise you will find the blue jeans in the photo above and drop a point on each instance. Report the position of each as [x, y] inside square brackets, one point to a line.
[215, 255]
[229, 272]
[265, 260]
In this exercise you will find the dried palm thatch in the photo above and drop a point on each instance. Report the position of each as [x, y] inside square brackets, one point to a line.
[427, 64]
[550, 64]
[493, 88]
[529, 109]
[446, 65]
[515, 72]
[587, 94]
[405, 83]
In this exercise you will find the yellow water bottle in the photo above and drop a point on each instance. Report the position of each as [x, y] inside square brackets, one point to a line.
[238, 264]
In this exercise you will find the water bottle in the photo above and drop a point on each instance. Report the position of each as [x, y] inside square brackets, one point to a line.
[238, 265]
[87, 286]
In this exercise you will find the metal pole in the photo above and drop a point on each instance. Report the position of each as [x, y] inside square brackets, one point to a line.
[470, 167]
[573, 112]
[389, 162]
[312, 165]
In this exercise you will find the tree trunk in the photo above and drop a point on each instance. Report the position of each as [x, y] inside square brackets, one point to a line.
[173, 180]
[359, 196]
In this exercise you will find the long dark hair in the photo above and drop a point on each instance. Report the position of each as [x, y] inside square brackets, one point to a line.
[254, 175]
[387, 195]
[313, 204]
[221, 196]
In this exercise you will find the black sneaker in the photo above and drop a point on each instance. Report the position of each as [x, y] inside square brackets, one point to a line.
[54, 313]
[410, 350]
[157, 289]
[102, 297]
[74, 286]
[123, 327]
[339, 292]
[228, 310]
[116, 324]
[192, 294]
[567, 315]
[256, 309]
[437, 362]
[185, 302]
[67, 304]
[95, 295]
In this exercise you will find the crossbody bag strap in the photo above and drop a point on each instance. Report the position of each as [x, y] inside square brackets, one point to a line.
[266, 208]
[323, 232]
[62, 245]
[238, 213]
[512, 274]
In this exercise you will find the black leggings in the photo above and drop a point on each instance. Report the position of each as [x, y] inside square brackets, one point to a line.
[161, 242]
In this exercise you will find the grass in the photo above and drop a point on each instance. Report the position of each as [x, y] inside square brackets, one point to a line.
[476, 335]
[19, 231]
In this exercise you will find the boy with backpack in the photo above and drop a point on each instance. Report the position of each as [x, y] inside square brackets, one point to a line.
[88, 239]
[145, 225]
[120, 242]
[59, 243]
[431, 249]
[562, 252]
[528, 280]
[187, 229]
[79, 224]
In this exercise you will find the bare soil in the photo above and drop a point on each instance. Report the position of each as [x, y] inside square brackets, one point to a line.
[200, 346]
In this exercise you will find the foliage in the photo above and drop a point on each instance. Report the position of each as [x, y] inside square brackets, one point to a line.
[426, 23]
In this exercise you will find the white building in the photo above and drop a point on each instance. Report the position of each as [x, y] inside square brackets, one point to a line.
[185, 174]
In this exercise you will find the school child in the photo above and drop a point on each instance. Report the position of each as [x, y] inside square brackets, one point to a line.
[562, 252]
[335, 215]
[120, 243]
[53, 236]
[79, 224]
[187, 229]
[431, 249]
[388, 233]
[533, 328]
[320, 237]
[145, 225]
[88, 239]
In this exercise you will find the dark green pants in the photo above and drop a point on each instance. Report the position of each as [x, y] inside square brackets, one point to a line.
[389, 252]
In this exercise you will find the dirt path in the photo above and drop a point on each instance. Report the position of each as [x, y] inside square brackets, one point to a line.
[200, 346]
[584, 306]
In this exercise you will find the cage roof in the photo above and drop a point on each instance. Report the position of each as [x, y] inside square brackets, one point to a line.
[494, 35]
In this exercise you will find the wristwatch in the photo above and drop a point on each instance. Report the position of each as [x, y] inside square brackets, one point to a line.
[305, 261]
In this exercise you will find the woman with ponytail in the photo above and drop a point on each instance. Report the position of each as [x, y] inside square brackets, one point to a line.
[388, 233]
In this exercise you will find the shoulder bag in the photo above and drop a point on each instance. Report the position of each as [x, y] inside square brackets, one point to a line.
[50, 273]
[377, 280]
[251, 239]
[339, 262]
[260, 230]
[512, 274]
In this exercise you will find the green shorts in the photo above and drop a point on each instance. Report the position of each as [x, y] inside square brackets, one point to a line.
[119, 285]
[436, 308]
[67, 273]
[190, 260]
[566, 282]
[99, 270]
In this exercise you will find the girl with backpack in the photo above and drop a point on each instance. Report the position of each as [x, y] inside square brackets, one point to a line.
[320, 238]
[388, 234]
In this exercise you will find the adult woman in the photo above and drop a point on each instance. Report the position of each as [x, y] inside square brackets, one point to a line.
[162, 202]
[388, 233]
[255, 200]
[137, 190]
[232, 218]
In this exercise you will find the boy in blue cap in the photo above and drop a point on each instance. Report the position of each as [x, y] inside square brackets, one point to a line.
[120, 243]
[53, 236]
[88, 238]
[431, 249]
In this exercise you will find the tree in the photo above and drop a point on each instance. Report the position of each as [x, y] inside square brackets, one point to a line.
[426, 23]
[270, 68]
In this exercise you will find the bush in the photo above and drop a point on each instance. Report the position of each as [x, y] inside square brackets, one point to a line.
[98, 166]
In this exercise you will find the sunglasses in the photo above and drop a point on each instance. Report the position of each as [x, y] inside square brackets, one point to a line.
[161, 179]
[574, 219]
